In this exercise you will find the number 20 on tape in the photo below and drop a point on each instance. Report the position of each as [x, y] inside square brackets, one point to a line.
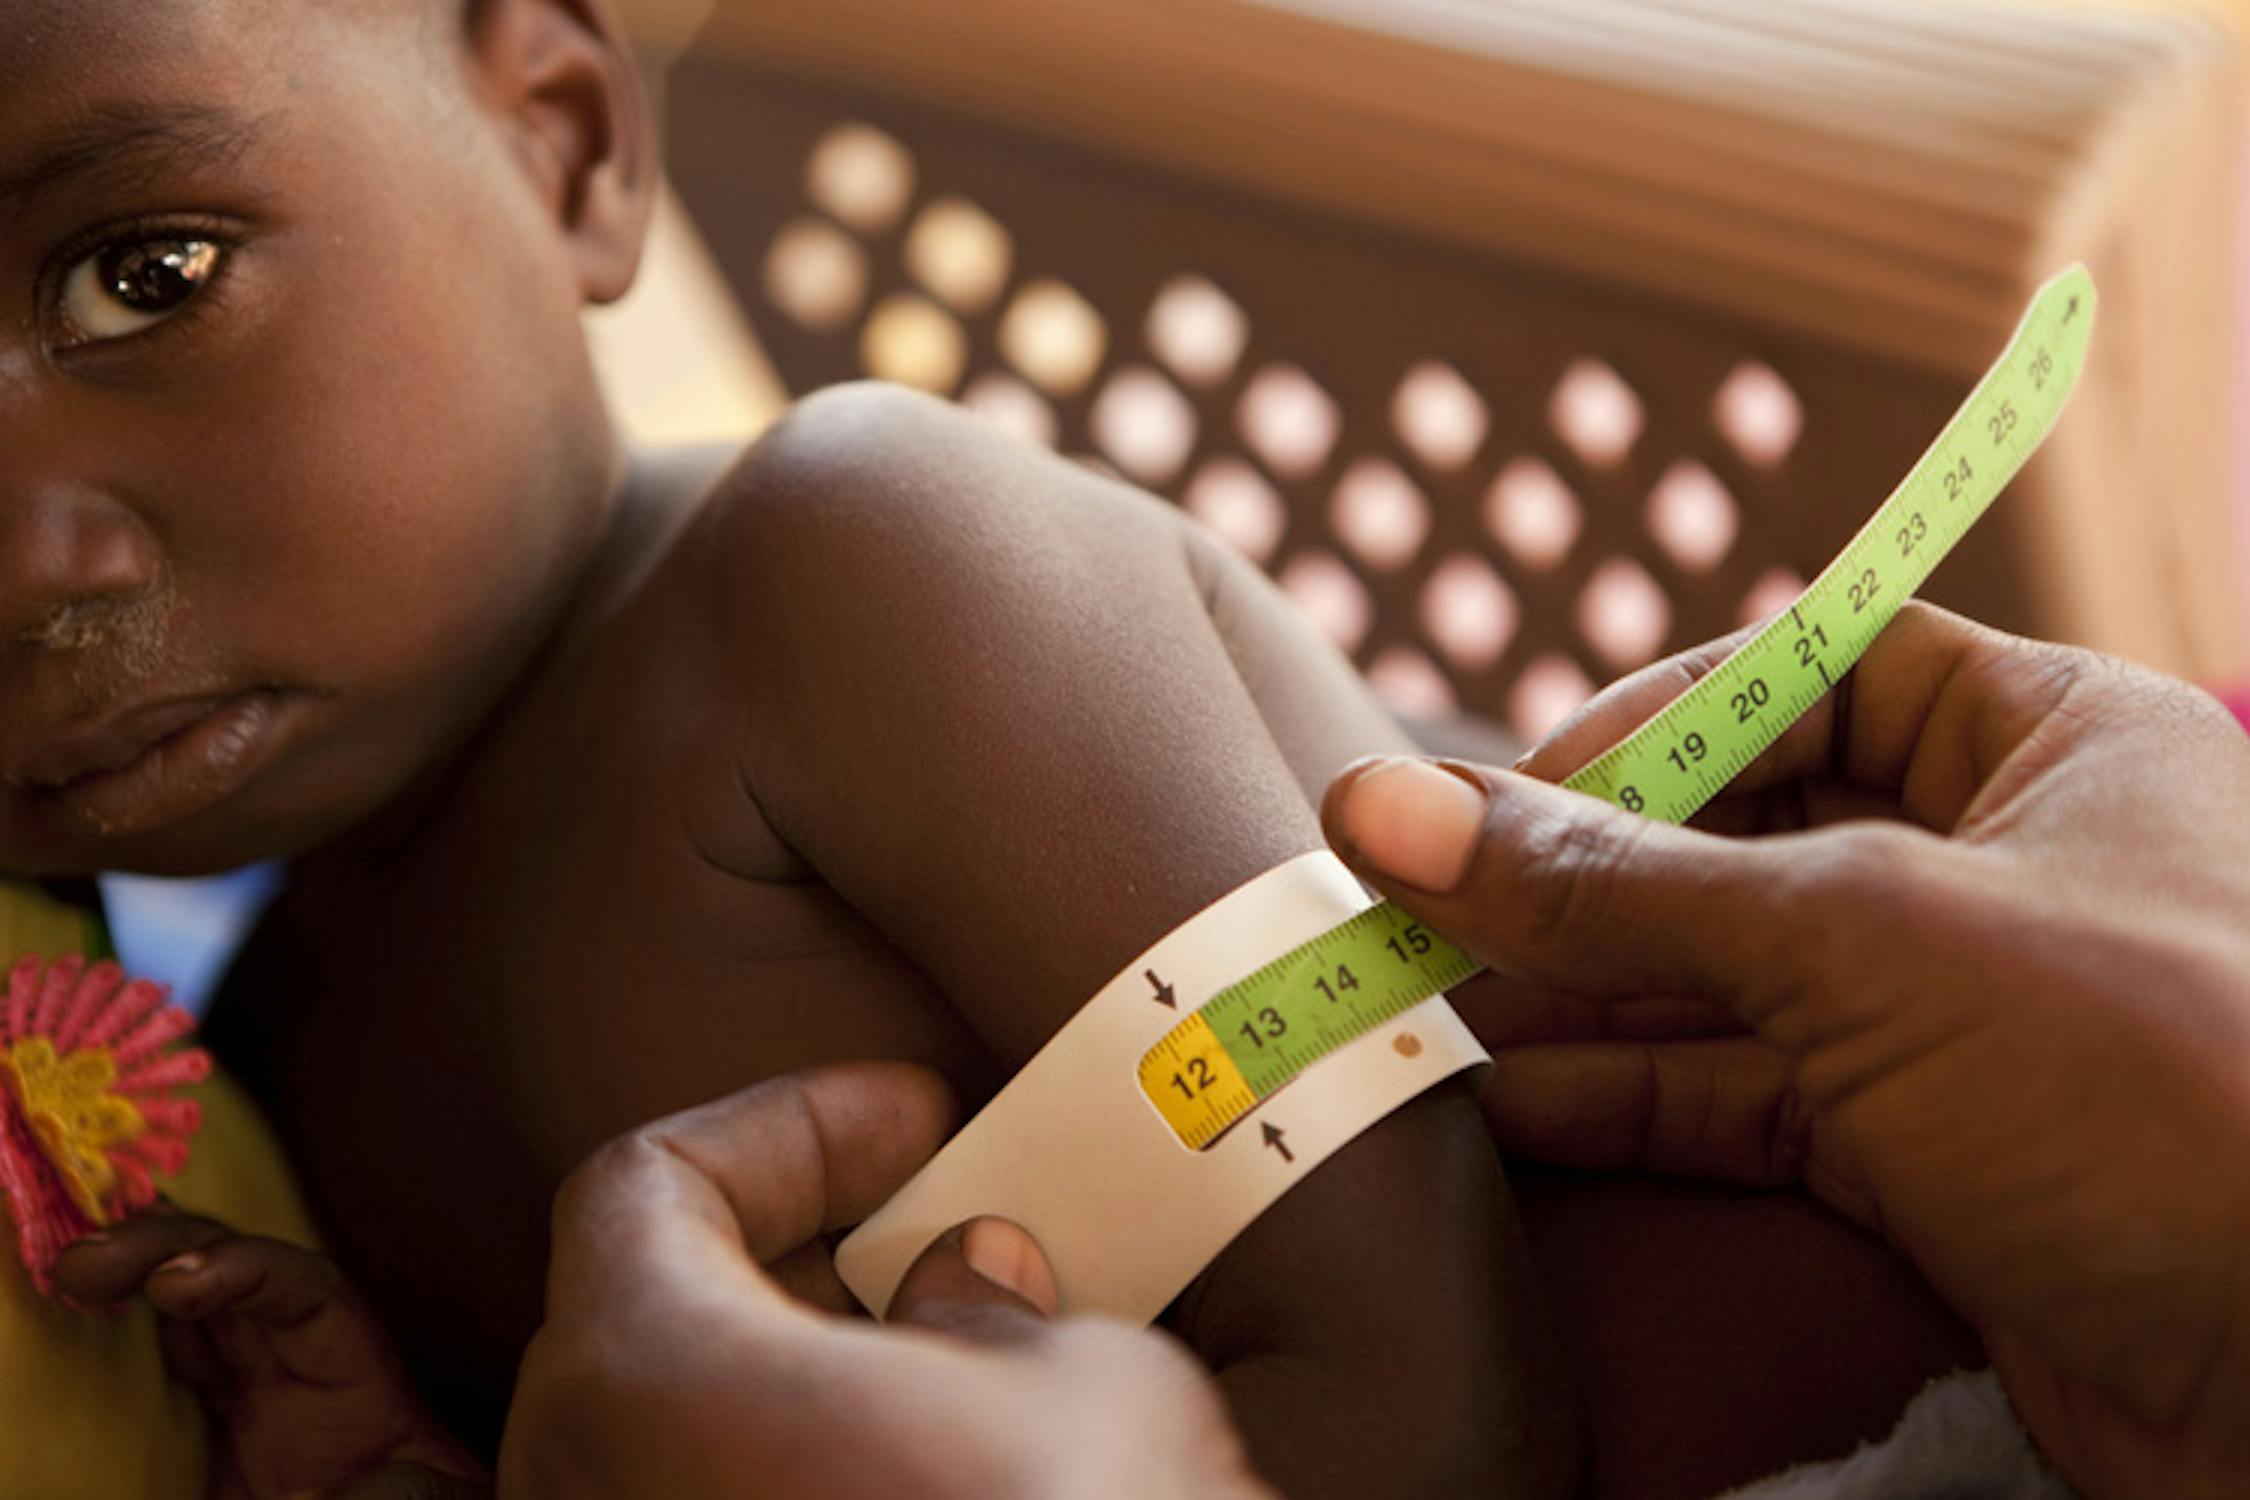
[1248, 1041]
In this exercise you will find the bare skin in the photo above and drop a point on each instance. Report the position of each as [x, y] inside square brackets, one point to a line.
[2010, 1027]
[849, 664]
[608, 798]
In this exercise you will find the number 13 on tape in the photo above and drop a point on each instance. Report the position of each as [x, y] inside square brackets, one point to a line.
[1247, 1042]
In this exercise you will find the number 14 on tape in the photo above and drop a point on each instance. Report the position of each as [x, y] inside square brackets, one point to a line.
[1247, 1042]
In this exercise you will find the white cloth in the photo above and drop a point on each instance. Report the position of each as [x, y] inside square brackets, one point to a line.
[1959, 1440]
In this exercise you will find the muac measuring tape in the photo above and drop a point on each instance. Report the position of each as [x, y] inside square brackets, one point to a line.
[1251, 1039]
[1134, 1179]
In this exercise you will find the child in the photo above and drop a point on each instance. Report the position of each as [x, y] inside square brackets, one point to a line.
[612, 786]
[610, 789]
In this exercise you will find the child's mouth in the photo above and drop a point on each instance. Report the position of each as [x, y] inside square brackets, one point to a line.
[192, 755]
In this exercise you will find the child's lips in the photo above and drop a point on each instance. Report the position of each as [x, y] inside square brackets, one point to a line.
[111, 745]
[156, 765]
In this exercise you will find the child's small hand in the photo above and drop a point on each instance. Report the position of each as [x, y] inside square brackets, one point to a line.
[307, 1396]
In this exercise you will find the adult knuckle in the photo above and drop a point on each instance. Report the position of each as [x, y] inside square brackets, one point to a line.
[1570, 876]
[1789, 1131]
[596, 1179]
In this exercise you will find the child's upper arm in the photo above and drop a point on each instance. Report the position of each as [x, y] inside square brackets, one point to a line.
[994, 711]
[991, 702]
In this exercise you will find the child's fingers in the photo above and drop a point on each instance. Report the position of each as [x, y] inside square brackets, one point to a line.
[274, 1310]
[266, 1281]
[112, 1265]
[195, 1360]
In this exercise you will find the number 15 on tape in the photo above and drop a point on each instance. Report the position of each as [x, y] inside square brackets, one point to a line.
[1247, 1042]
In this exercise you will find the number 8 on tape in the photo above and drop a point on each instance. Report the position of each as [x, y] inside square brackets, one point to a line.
[1218, 1065]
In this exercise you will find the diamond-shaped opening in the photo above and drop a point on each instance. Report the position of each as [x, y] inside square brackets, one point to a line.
[1198, 330]
[1775, 590]
[1532, 513]
[1332, 595]
[1759, 413]
[961, 253]
[1468, 612]
[1411, 684]
[861, 177]
[1379, 513]
[1440, 417]
[1144, 424]
[1692, 516]
[913, 341]
[1054, 336]
[1547, 692]
[816, 274]
[1623, 614]
[1290, 421]
[1597, 413]
[1235, 501]
[1013, 406]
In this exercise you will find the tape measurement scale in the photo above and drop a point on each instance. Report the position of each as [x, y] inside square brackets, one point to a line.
[1242, 1046]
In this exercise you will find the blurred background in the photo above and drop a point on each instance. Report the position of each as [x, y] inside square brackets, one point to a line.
[1522, 341]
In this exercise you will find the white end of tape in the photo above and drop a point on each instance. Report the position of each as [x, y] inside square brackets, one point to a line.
[1075, 1153]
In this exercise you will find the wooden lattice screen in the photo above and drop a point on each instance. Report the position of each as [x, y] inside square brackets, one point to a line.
[1495, 482]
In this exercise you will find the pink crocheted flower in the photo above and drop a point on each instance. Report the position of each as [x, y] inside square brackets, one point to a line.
[88, 1113]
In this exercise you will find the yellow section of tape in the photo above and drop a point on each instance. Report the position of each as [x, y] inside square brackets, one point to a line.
[1194, 1085]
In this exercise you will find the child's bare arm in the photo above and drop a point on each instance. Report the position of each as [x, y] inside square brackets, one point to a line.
[305, 1392]
[1028, 722]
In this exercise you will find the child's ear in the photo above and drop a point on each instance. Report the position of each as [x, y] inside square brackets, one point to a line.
[561, 74]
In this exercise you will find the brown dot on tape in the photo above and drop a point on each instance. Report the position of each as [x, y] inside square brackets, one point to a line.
[1408, 1044]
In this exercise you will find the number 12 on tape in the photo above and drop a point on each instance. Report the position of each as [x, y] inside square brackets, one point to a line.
[1221, 1062]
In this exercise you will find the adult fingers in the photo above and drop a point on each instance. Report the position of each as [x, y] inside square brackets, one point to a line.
[1935, 704]
[1622, 707]
[1724, 1110]
[1506, 1012]
[1570, 893]
[986, 1280]
[750, 1178]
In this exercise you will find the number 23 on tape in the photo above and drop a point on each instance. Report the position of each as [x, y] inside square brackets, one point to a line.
[1248, 1041]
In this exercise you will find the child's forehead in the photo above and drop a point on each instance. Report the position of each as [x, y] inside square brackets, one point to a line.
[64, 46]
[181, 69]
[51, 45]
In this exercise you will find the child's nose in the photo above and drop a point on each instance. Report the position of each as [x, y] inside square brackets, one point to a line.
[66, 550]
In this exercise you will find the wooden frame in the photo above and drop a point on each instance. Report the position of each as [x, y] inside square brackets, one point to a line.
[1889, 177]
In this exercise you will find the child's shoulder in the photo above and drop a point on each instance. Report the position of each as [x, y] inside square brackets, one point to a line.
[869, 476]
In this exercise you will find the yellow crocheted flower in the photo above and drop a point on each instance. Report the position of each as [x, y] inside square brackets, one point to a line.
[71, 1105]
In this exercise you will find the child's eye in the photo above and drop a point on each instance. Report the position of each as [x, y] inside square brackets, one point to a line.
[130, 285]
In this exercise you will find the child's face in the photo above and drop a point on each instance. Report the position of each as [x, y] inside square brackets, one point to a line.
[299, 450]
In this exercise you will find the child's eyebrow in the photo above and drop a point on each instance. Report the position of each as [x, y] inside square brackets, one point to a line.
[127, 147]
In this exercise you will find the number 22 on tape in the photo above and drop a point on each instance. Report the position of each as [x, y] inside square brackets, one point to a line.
[1247, 1042]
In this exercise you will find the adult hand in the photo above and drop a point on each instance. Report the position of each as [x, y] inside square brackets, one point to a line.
[1997, 967]
[696, 1342]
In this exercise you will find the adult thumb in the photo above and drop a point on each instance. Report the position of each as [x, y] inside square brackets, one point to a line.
[1567, 892]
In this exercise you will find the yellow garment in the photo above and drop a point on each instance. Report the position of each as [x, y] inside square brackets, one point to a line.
[86, 1412]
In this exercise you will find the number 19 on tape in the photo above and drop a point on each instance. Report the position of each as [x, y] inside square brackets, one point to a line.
[1248, 1041]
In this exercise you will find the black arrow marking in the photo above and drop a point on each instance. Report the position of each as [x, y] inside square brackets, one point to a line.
[2071, 313]
[1273, 1139]
[1164, 995]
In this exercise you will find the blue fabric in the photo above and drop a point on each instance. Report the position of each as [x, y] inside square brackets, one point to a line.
[183, 932]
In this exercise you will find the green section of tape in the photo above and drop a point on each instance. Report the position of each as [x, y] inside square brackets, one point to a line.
[1344, 983]
[1294, 1011]
[1678, 761]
